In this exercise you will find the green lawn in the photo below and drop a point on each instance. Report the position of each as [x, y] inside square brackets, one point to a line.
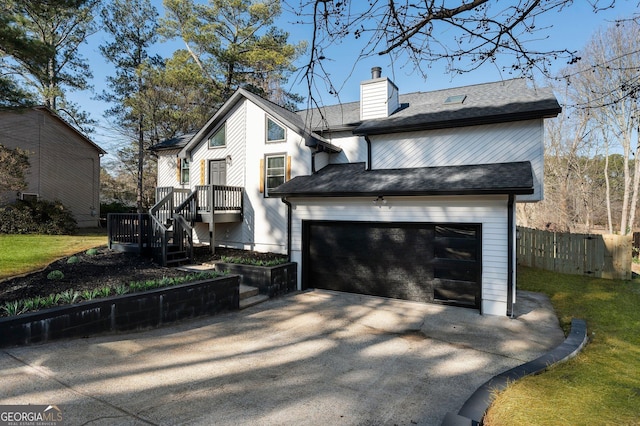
[601, 386]
[20, 254]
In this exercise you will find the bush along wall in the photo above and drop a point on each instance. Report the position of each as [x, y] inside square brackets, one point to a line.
[36, 217]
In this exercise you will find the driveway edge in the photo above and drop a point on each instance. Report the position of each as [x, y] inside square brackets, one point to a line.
[473, 410]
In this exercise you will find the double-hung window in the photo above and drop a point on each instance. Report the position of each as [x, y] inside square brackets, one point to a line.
[275, 171]
[184, 171]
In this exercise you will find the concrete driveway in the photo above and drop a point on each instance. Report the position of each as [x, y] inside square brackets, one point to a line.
[312, 358]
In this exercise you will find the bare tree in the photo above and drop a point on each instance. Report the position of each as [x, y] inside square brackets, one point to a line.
[605, 87]
[465, 34]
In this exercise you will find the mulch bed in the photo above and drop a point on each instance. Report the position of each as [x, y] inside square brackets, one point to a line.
[106, 268]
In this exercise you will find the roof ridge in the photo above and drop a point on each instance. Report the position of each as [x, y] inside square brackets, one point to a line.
[417, 92]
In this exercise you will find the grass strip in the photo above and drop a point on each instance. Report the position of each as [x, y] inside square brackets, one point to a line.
[21, 254]
[602, 384]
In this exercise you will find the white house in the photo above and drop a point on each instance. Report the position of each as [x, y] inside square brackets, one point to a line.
[406, 196]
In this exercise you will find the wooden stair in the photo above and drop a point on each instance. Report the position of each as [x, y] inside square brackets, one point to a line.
[250, 296]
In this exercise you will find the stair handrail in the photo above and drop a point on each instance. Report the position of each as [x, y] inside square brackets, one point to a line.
[158, 231]
[189, 207]
[185, 231]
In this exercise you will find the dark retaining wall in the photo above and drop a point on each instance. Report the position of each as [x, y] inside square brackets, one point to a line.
[270, 280]
[122, 313]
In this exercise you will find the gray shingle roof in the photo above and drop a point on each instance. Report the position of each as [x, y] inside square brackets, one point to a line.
[177, 142]
[501, 101]
[352, 180]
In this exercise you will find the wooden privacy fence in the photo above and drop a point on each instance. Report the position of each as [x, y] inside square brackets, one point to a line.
[602, 256]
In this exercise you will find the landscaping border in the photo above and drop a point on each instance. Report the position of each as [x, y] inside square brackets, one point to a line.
[123, 313]
[474, 409]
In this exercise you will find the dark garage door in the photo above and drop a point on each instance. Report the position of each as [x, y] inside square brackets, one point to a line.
[415, 261]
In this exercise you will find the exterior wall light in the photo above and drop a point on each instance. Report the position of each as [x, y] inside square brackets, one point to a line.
[379, 200]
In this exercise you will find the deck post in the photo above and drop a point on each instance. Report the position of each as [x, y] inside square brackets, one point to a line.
[212, 224]
[140, 232]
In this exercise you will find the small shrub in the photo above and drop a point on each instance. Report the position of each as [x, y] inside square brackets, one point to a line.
[90, 294]
[92, 252]
[15, 307]
[121, 289]
[104, 291]
[52, 300]
[136, 286]
[69, 296]
[39, 302]
[253, 262]
[73, 259]
[30, 304]
[165, 282]
[55, 275]
[36, 217]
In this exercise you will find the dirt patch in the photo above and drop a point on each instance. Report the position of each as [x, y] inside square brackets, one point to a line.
[106, 268]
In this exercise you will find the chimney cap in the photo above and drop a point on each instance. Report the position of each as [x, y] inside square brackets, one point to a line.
[376, 72]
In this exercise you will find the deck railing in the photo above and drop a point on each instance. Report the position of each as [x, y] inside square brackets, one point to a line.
[189, 207]
[221, 197]
[128, 228]
[175, 207]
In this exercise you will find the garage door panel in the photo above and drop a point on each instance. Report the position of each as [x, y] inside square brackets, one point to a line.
[457, 292]
[413, 261]
[355, 270]
[456, 231]
[456, 270]
[367, 242]
[454, 248]
[397, 289]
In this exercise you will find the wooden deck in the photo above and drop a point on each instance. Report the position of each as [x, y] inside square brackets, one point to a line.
[167, 230]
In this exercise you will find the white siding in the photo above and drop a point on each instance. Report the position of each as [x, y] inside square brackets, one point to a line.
[378, 98]
[168, 169]
[234, 149]
[491, 212]
[265, 219]
[354, 148]
[496, 143]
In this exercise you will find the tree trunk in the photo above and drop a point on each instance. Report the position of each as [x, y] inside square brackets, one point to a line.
[608, 187]
[636, 185]
[624, 217]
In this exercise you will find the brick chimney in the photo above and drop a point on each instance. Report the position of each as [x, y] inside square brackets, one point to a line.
[378, 96]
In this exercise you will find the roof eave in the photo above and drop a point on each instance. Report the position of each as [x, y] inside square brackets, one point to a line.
[469, 192]
[460, 122]
[76, 131]
[225, 108]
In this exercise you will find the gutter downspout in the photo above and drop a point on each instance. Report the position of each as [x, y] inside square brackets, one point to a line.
[284, 200]
[366, 138]
[313, 162]
[511, 282]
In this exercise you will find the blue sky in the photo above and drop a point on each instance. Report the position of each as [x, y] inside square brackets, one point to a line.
[570, 28]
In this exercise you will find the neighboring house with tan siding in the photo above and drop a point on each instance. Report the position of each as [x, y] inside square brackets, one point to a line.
[399, 195]
[64, 165]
